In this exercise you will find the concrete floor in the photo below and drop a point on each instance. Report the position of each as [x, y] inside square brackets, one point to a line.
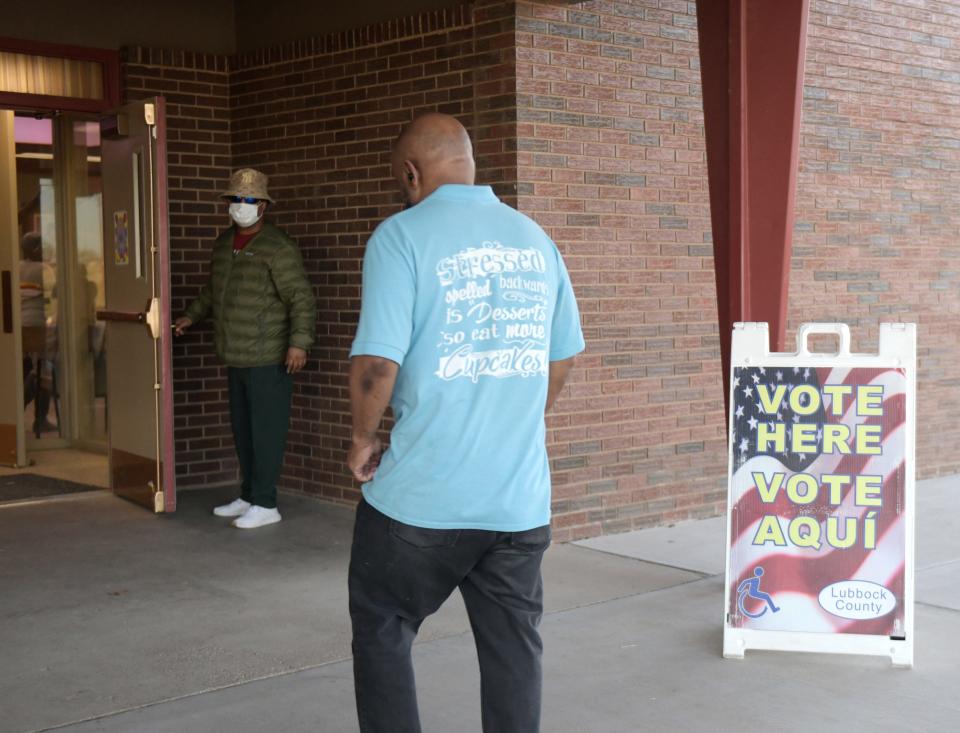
[189, 625]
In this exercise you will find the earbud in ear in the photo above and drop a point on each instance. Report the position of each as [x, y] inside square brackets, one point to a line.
[410, 177]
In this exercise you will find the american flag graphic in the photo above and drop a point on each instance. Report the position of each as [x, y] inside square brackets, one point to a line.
[791, 578]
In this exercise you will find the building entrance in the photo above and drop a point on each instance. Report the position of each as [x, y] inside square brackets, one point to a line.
[85, 273]
[52, 219]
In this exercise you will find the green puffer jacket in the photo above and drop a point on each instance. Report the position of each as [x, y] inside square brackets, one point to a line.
[260, 299]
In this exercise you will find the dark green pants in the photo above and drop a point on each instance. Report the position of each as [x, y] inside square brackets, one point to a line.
[260, 417]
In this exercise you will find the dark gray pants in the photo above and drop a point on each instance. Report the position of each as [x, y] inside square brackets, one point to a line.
[260, 418]
[400, 574]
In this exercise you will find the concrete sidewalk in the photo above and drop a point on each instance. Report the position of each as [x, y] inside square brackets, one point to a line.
[217, 630]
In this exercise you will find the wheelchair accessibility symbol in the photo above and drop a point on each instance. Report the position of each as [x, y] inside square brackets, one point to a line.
[750, 588]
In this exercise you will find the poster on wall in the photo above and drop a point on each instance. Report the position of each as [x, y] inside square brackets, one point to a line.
[820, 507]
[121, 238]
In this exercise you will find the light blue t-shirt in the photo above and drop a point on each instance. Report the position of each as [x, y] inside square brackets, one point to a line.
[471, 298]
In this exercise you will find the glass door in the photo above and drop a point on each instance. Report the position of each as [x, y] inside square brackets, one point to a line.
[83, 226]
[59, 233]
[40, 289]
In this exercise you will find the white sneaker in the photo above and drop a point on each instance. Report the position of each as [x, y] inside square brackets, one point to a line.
[256, 516]
[234, 509]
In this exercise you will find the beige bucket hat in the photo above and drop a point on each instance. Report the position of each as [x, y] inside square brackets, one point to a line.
[248, 182]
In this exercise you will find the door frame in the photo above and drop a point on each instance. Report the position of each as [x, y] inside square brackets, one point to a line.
[161, 203]
[10, 292]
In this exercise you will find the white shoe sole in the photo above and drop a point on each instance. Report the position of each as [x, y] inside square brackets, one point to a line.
[218, 513]
[265, 523]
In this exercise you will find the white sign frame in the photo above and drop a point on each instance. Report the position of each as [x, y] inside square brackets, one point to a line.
[897, 349]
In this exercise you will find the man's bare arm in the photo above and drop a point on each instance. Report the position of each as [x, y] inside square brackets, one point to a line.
[559, 370]
[371, 385]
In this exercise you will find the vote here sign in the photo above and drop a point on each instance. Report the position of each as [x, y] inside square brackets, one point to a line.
[818, 525]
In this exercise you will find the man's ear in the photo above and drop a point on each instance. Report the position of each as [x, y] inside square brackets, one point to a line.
[411, 172]
[262, 207]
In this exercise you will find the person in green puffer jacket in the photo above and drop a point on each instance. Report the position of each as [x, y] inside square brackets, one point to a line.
[264, 323]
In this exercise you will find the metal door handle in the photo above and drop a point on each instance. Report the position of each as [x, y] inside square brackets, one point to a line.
[122, 316]
[7, 285]
[149, 316]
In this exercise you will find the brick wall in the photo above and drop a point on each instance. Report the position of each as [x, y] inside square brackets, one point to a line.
[587, 116]
[612, 164]
[320, 118]
[878, 205]
[196, 87]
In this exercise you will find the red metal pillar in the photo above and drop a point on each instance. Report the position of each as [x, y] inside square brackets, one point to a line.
[751, 58]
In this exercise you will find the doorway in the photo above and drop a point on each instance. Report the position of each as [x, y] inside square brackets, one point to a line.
[58, 255]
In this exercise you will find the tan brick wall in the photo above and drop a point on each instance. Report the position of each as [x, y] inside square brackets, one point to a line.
[878, 205]
[612, 164]
[320, 118]
[588, 117]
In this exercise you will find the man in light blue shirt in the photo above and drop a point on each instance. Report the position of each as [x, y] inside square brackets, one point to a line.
[468, 329]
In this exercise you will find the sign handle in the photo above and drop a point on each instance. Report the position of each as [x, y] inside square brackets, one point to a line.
[838, 329]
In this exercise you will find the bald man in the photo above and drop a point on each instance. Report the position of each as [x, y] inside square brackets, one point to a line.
[468, 328]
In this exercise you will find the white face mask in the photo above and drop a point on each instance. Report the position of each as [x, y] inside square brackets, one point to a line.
[246, 215]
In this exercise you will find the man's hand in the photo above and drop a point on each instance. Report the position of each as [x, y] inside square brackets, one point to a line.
[296, 359]
[181, 325]
[371, 384]
[364, 457]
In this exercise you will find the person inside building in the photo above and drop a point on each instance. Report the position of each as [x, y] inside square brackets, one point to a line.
[35, 333]
[264, 323]
[468, 329]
